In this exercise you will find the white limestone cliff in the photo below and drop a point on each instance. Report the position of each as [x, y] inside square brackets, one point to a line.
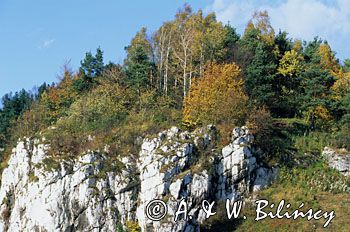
[82, 195]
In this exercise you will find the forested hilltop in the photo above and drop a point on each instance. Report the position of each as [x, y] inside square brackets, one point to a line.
[192, 71]
[293, 95]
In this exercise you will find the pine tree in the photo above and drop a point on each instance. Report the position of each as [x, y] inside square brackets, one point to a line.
[261, 85]
[91, 68]
[138, 69]
[316, 101]
[230, 42]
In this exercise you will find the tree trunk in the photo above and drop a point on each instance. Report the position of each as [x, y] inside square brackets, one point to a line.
[184, 76]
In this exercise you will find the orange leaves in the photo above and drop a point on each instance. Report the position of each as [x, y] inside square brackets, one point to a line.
[216, 97]
[58, 99]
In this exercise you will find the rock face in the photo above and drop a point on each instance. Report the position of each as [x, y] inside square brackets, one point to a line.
[71, 198]
[83, 195]
[341, 162]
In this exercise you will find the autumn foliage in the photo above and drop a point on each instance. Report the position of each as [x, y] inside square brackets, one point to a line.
[216, 97]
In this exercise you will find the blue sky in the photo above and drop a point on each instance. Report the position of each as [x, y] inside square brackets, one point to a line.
[39, 36]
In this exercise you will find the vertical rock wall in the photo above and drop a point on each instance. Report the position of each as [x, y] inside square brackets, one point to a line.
[80, 195]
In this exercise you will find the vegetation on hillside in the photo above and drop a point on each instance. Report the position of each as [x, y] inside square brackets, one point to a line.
[294, 96]
[192, 71]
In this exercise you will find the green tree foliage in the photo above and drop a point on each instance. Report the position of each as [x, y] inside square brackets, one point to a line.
[139, 69]
[343, 135]
[13, 105]
[140, 40]
[346, 65]
[230, 42]
[317, 83]
[316, 102]
[291, 65]
[91, 67]
[193, 65]
[283, 43]
[41, 90]
[311, 50]
[261, 84]
[246, 48]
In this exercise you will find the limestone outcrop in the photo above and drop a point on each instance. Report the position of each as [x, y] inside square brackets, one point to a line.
[339, 160]
[39, 193]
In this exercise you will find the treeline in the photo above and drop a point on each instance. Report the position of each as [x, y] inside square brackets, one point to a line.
[192, 71]
[13, 105]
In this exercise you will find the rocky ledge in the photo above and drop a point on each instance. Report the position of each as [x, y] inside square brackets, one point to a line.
[338, 159]
[83, 195]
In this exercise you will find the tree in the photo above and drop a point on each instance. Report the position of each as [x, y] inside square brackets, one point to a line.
[316, 101]
[298, 46]
[91, 68]
[246, 47]
[162, 44]
[343, 135]
[328, 60]
[184, 45]
[138, 69]
[13, 106]
[140, 40]
[42, 88]
[217, 97]
[261, 22]
[139, 64]
[213, 38]
[57, 99]
[291, 64]
[183, 41]
[346, 65]
[342, 84]
[230, 42]
[261, 85]
[283, 43]
[311, 51]
[258, 31]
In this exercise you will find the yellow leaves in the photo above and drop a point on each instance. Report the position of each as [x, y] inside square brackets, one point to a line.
[342, 84]
[298, 46]
[261, 22]
[216, 97]
[291, 64]
[140, 39]
[328, 60]
[133, 226]
[322, 113]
